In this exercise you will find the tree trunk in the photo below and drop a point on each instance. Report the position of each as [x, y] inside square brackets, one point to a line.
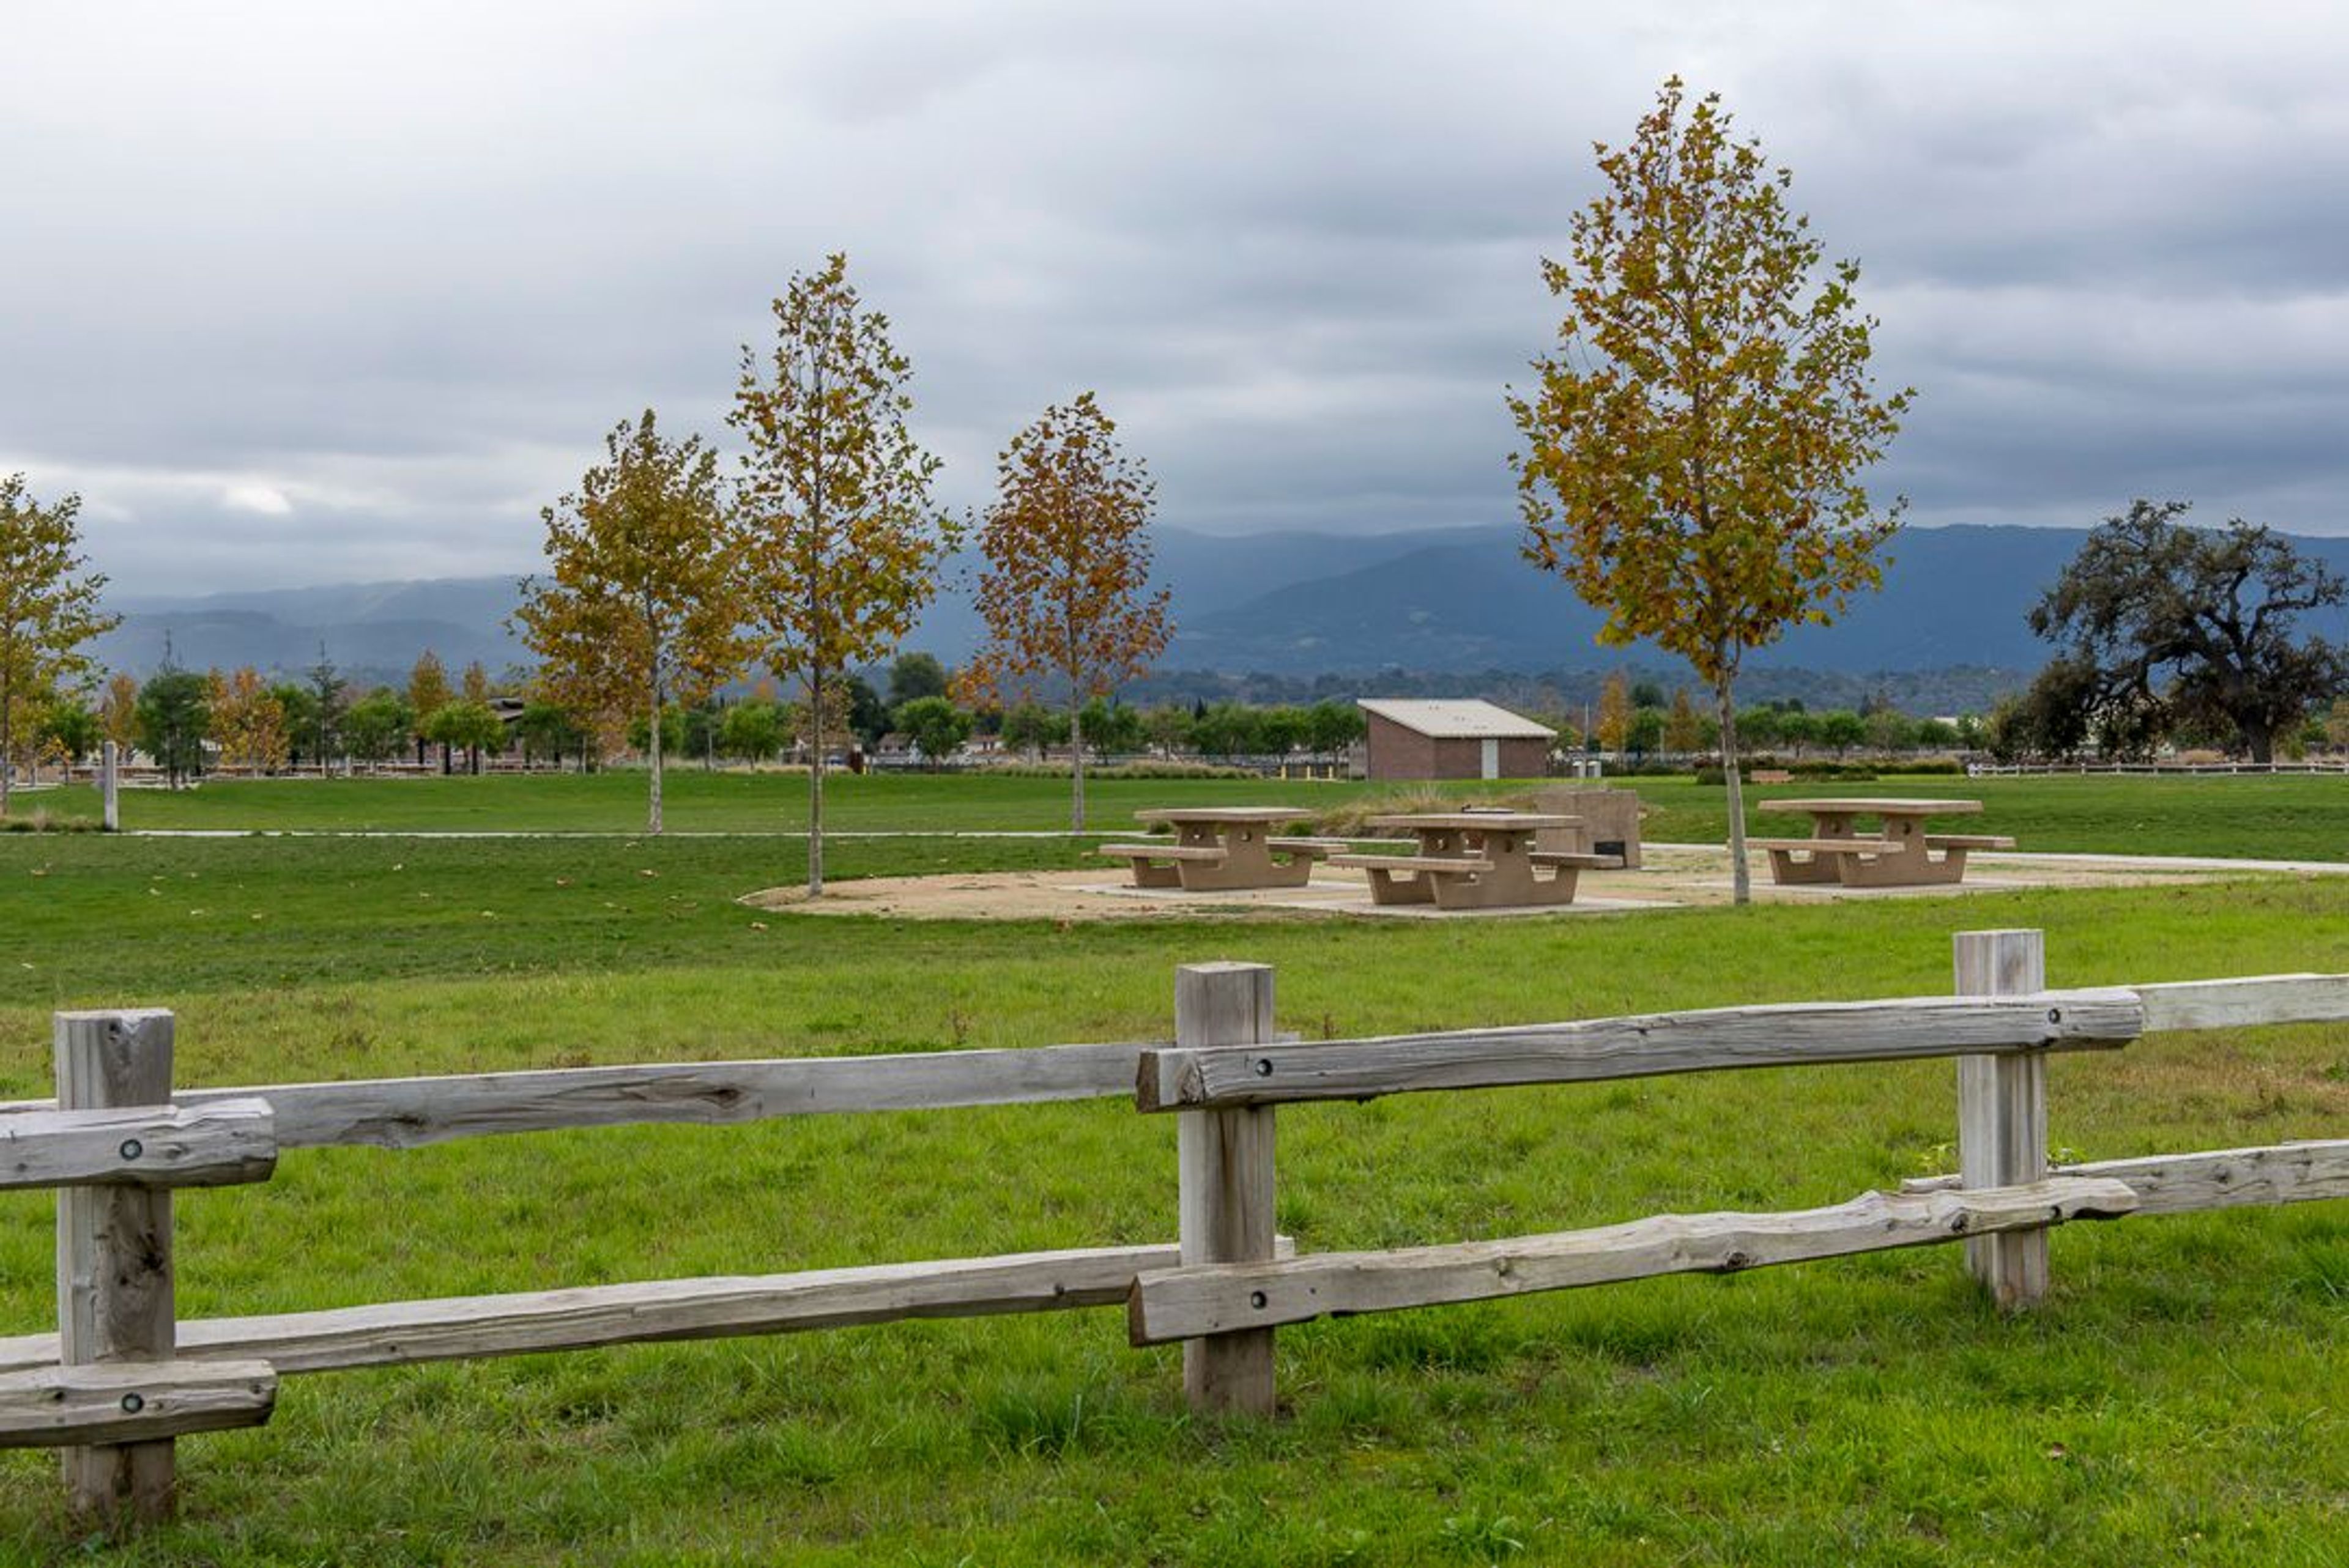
[653, 807]
[1076, 764]
[1741, 890]
[815, 782]
[2261, 738]
[7, 752]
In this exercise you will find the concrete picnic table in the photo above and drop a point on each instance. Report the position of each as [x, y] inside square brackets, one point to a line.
[1898, 855]
[1474, 860]
[1219, 848]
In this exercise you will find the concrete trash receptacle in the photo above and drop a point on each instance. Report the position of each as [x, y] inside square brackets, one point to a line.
[1611, 823]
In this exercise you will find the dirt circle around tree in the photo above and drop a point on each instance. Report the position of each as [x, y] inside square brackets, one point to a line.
[1672, 876]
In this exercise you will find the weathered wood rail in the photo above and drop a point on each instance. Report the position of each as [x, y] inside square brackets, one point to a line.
[2001, 1028]
[122, 1377]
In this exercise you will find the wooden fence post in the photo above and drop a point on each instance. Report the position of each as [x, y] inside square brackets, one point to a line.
[114, 1257]
[2002, 1113]
[1225, 1160]
[110, 788]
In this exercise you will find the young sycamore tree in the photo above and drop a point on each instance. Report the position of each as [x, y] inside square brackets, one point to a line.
[248, 722]
[646, 600]
[1064, 590]
[427, 694]
[119, 712]
[1614, 725]
[842, 544]
[48, 609]
[1692, 450]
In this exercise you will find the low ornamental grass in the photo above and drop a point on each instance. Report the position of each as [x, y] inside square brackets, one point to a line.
[2180, 1398]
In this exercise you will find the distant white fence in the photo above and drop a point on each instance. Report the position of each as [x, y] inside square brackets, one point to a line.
[2152, 770]
[122, 1377]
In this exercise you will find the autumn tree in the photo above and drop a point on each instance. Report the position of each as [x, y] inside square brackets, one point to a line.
[1614, 725]
[427, 694]
[248, 722]
[643, 604]
[842, 544]
[1683, 730]
[118, 711]
[48, 609]
[1065, 590]
[2162, 624]
[1692, 449]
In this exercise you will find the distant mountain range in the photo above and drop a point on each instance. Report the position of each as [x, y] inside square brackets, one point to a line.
[1291, 605]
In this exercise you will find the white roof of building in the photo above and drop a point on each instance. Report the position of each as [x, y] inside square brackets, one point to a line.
[1456, 719]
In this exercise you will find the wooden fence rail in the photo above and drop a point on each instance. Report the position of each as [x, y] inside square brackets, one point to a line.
[410, 1112]
[123, 1377]
[1188, 1302]
[2002, 1026]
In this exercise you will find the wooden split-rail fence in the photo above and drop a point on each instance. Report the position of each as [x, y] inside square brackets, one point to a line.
[122, 1377]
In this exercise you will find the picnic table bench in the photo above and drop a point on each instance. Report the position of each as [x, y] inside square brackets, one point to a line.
[1221, 849]
[1898, 854]
[1472, 860]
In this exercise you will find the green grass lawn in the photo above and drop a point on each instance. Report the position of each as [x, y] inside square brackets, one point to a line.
[695, 802]
[2296, 817]
[2180, 1400]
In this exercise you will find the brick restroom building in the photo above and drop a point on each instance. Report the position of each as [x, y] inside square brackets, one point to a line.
[1452, 739]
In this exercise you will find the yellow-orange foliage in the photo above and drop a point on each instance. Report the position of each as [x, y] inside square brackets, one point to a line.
[1065, 591]
[248, 723]
[842, 544]
[1692, 449]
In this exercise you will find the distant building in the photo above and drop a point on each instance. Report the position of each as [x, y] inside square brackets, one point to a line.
[1464, 739]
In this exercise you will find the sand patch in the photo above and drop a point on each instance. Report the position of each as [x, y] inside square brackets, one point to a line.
[1674, 875]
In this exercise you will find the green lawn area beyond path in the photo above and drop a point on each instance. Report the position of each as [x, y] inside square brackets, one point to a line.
[2293, 817]
[2182, 1398]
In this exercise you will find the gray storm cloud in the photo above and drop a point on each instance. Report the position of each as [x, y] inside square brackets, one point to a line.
[300, 293]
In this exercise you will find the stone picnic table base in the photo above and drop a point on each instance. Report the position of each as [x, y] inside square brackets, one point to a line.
[1900, 854]
[1217, 849]
[1471, 860]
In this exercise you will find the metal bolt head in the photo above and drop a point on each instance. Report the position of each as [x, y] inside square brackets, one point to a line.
[132, 1404]
[1264, 1067]
[1256, 1299]
[132, 1148]
[2055, 1015]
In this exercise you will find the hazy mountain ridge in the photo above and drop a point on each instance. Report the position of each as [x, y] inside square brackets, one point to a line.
[1441, 606]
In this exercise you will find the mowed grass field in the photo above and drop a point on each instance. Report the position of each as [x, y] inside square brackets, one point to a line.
[2184, 1398]
[2295, 817]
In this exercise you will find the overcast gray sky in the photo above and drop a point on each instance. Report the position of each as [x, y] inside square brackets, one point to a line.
[300, 293]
